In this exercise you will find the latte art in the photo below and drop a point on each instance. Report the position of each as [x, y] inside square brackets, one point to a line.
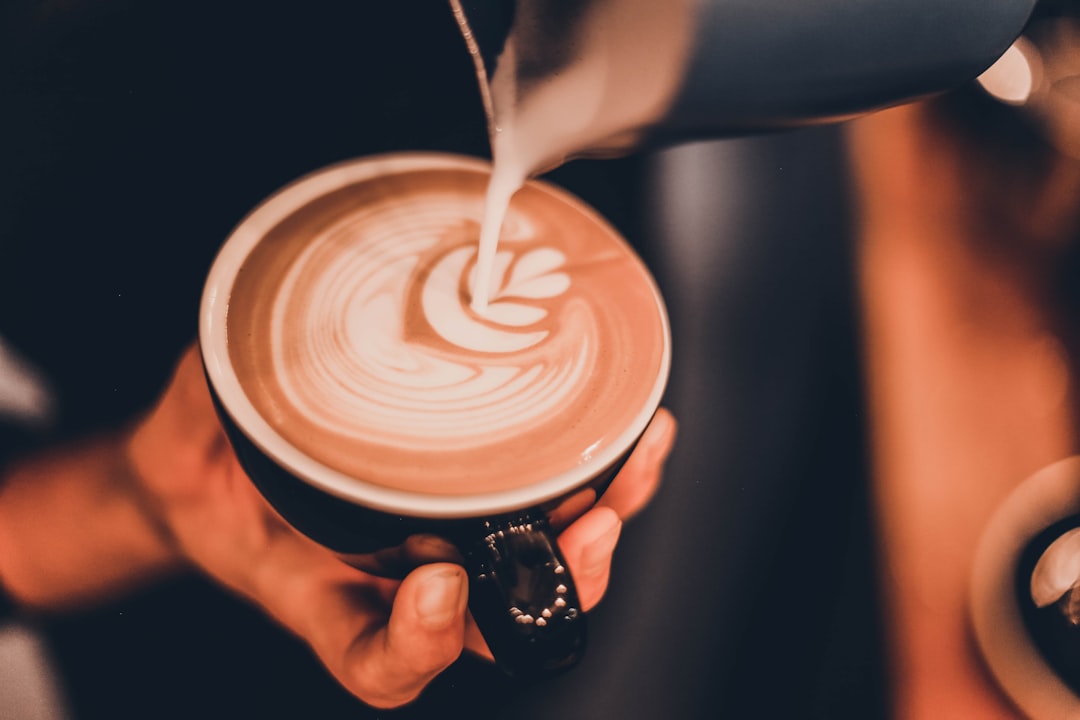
[351, 333]
[363, 366]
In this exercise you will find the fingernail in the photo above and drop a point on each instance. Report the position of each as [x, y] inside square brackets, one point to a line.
[596, 557]
[442, 598]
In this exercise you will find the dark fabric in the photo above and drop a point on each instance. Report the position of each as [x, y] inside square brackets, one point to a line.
[134, 134]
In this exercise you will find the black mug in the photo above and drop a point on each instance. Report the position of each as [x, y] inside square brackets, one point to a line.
[521, 592]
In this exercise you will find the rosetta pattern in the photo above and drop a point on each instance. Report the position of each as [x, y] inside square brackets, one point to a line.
[346, 352]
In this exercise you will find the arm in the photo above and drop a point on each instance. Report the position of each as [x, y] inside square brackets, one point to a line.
[74, 527]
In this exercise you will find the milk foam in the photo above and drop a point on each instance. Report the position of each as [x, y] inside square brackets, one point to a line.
[353, 368]
[355, 357]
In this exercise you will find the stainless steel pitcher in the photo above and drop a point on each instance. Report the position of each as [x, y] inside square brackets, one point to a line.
[737, 66]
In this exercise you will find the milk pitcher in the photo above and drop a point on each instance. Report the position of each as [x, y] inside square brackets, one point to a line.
[648, 72]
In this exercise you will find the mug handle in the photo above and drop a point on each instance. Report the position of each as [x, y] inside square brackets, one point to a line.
[523, 599]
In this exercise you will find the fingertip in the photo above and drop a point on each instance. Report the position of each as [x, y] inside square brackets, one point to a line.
[427, 623]
[605, 528]
[640, 477]
[659, 437]
[598, 522]
[589, 545]
[441, 596]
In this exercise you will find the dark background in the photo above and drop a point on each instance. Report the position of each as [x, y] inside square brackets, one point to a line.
[134, 134]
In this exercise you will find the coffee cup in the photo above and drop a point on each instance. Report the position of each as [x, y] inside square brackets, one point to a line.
[387, 420]
[1031, 649]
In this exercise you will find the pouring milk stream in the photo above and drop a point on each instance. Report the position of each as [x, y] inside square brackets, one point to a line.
[602, 88]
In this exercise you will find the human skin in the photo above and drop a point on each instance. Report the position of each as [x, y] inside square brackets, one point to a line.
[87, 522]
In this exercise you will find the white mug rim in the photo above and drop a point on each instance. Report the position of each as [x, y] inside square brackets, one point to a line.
[226, 385]
[1046, 497]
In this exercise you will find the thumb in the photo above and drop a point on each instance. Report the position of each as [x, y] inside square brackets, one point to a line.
[425, 634]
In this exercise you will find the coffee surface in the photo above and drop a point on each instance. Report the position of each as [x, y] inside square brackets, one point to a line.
[350, 330]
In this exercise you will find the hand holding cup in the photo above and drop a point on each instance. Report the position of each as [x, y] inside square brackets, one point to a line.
[383, 639]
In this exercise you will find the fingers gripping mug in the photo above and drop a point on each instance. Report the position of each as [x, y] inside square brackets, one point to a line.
[382, 417]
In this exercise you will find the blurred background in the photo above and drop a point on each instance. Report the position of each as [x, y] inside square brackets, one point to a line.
[135, 134]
